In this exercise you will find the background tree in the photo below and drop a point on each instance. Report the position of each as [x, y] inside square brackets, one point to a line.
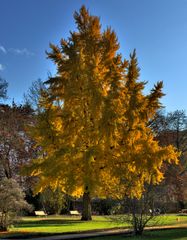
[15, 146]
[93, 128]
[171, 128]
[53, 201]
[32, 96]
[3, 88]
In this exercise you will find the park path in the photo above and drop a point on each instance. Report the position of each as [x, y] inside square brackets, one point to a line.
[110, 232]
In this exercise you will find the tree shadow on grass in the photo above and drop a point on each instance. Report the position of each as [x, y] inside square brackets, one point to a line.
[42, 223]
[172, 234]
[47, 222]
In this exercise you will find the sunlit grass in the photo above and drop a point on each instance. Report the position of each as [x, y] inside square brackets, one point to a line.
[64, 224]
[67, 224]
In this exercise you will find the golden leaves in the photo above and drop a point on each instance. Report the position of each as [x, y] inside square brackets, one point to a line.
[99, 137]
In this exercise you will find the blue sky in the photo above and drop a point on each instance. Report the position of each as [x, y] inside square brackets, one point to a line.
[156, 28]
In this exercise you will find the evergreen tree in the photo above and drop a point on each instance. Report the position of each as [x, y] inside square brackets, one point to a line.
[93, 127]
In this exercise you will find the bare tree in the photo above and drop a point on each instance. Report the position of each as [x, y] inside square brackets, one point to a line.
[170, 129]
[3, 88]
[32, 96]
[139, 212]
[15, 146]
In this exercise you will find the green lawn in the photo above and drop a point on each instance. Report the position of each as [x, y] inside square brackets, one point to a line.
[174, 234]
[59, 224]
[64, 224]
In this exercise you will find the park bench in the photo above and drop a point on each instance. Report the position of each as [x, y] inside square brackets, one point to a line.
[184, 210]
[74, 212]
[40, 213]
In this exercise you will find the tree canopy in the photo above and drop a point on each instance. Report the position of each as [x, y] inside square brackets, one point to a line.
[93, 129]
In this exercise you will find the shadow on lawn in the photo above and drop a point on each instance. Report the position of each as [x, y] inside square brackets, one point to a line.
[22, 234]
[29, 235]
[37, 224]
[172, 234]
[48, 222]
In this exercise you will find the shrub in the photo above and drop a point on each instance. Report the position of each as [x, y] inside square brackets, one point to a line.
[11, 202]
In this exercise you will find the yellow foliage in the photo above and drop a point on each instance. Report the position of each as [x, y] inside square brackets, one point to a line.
[98, 138]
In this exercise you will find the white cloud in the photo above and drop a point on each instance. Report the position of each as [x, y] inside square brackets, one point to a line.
[22, 52]
[1, 67]
[16, 51]
[2, 49]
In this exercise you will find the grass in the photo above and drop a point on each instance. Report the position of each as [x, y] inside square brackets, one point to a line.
[173, 234]
[64, 224]
[58, 225]
[67, 224]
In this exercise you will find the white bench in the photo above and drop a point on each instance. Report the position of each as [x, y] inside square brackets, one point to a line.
[184, 210]
[40, 213]
[74, 212]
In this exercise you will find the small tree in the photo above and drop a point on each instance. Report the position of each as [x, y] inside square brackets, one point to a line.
[138, 212]
[52, 200]
[11, 201]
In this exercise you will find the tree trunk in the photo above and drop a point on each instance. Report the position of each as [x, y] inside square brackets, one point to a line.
[86, 211]
[181, 204]
[138, 232]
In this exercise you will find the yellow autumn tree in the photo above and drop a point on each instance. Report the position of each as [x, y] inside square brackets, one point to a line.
[93, 128]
